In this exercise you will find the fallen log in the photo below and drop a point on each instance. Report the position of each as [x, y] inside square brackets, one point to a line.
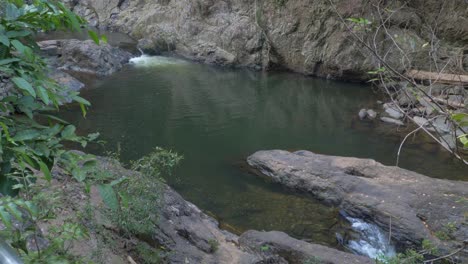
[438, 77]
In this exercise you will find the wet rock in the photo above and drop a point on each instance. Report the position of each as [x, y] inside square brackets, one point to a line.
[394, 112]
[449, 141]
[291, 250]
[441, 125]
[362, 114]
[420, 121]
[371, 114]
[88, 57]
[383, 195]
[69, 83]
[154, 46]
[392, 121]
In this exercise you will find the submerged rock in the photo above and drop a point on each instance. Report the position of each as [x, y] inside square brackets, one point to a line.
[290, 250]
[415, 207]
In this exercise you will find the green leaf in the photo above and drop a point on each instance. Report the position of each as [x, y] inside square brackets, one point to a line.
[45, 170]
[104, 38]
[69, 132]
[4, 40]
[108, 196]
[15, 34]
[18, 45]
[94, 36]
[11, 12]
[26, 135]
[42, 93]
[5, 217]
[7, 134]
[124, 199]
[81, 100]
[24, 85]
[118, 181]
[8, 61]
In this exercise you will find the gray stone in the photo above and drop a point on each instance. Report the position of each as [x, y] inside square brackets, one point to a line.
[441, 125]
[371, 114]
[430, 106]
[420, 121]
[413, 205]
[393, 112]
[406, 98]
[362, 114]
[392, 121]
[88, 57]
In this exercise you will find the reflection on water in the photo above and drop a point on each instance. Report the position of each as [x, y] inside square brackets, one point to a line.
[217, 117]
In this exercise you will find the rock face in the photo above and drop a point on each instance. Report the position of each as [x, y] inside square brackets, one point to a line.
[413, 206]
[301, 35]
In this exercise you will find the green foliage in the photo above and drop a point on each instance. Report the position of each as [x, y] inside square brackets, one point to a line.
[265, 248]
[214, 245]
[148, 254]
[134, 199]
[313, 260]
[31, 137]
[410, 256]
[445, 233]
[462, 120]
[280, 3]
[360, 23]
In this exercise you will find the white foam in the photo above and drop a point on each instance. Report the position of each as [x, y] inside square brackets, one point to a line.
[155, 61]
[372, 242]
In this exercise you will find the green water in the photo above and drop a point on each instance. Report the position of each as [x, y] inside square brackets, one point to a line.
[216, 117]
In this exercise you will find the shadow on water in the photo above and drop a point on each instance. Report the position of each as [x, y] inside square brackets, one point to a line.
[217, 117]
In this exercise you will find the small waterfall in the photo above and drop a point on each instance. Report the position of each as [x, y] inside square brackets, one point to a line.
[154, 61]
[367, 240]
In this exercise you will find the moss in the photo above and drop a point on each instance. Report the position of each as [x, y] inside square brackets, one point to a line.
[214, 245]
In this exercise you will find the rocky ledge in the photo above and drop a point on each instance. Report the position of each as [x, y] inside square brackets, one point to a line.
[84, 56]
[182, 231]
[411, 207]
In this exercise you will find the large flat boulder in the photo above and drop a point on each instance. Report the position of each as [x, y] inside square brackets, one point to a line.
[411, 207]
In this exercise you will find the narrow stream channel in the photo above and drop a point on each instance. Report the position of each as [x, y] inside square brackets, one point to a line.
[216, 117]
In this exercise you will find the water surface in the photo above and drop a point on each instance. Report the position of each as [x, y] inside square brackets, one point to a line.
[216, 117]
